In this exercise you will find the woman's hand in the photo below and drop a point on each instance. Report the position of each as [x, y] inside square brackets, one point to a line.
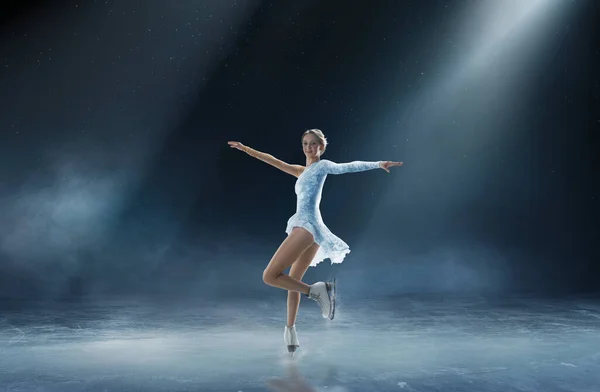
[237, 145]
[385, 165]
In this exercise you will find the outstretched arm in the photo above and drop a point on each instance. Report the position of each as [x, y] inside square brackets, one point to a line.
[350, 167]
[357, 166]
[294, 170]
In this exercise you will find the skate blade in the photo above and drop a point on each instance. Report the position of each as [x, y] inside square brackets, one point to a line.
[333, 293]
[292, 351]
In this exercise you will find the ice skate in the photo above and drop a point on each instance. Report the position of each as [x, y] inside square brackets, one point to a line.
[324, 294]
[291, 339]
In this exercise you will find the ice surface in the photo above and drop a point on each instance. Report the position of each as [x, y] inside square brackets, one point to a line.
[392, 344]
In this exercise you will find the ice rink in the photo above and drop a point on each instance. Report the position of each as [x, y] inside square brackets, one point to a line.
[411, 343]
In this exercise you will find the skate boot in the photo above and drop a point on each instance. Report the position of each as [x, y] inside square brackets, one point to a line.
[324, 294]
[291, 339]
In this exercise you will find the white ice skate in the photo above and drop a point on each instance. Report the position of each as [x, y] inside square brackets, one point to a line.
[291, 339]
[324, 294]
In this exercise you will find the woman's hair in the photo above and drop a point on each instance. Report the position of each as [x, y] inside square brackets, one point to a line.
[319, 134]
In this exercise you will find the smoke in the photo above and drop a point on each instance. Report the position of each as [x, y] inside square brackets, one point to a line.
[56, 215]
[60, 232]
[70, 211]
[456, 269]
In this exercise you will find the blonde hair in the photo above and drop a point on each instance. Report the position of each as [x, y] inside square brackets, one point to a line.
[319, 134]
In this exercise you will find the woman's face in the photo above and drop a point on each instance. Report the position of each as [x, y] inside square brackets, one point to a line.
[311, 145]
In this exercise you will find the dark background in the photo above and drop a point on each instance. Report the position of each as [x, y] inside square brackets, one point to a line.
[116, 178]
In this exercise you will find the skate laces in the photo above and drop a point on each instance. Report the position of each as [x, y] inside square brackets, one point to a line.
[319, 298]
[320, 301]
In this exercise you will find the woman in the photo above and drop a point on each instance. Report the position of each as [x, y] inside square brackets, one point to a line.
[309, 241]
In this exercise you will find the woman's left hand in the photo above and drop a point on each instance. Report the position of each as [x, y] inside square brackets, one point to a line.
[385, 165]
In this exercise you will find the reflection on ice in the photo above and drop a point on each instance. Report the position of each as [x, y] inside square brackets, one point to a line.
[294, 381]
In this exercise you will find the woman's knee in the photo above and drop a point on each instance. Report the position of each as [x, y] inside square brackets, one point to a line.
[269, 276]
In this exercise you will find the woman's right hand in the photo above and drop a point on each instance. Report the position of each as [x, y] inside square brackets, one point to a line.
[237, 145]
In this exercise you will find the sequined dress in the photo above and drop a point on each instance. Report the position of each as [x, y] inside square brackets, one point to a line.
[309, 187]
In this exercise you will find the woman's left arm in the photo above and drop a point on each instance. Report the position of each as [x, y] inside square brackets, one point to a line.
[357, 166]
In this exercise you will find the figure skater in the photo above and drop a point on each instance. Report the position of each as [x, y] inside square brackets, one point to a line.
[309, 241]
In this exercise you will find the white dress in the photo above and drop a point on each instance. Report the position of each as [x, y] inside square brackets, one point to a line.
[309, 187]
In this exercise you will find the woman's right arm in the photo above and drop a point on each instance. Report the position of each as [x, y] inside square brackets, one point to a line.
[294, 170]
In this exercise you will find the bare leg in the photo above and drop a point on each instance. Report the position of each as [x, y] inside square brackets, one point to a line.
[297, 272]
[288, 252]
